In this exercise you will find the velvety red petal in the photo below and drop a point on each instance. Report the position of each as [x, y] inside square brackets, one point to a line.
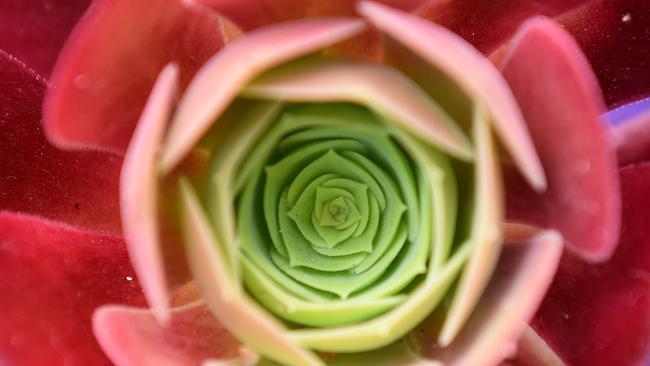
[488, 24]
[35, 30]
[560, 100]
[53, 278]
[133, 337]
[614, 35]
[110, 63]
[251, 14]
[78, 188]
[600, 314]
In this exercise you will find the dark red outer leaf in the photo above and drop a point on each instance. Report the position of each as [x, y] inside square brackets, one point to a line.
[35, 30]
[615, 35]
[597, 315]
[53, 278]
[79, 188]
[560, 100]
[489, 24]
[111, 60]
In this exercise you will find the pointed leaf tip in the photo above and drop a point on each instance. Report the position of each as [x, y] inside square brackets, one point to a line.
[133, 336]
[110, 62]
[221, 78]
[471, 71]
[139, 193]
[524, 272]
[378, 87]
[563, 112]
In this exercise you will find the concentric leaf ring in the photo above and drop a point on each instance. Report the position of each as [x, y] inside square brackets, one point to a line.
[347, 226]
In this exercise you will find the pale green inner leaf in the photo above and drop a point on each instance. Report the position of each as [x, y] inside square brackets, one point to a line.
[340, 219]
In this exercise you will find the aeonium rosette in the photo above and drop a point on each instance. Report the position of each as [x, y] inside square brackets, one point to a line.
[333, 204]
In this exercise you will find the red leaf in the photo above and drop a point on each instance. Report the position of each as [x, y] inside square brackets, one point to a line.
[53, 278]
[35, 30]
[78, 188]
[614, 35]
[110, 62]
[560, 101]
[133, 336]
[489, 24]
[600, 314]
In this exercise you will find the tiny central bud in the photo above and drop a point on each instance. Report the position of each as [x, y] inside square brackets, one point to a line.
[338, 208]
[337, 214]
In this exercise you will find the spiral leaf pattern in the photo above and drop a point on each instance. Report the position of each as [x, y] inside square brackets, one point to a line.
[335, 216]
[343, 216]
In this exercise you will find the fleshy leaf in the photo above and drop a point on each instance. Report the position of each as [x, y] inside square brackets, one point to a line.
[132, 336]
[485, 233]
[599, 314]
[612, 34]
[217, 83]
[312, 313]
[139, 192]
[398, 353]
[389, 327]
[235, 132]
[563, 114]
[471, 71]
[524, 272]
[53, 278]
[380, 88]
[78, 188]
[489, 24]
[110, 62]
[242, 317]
